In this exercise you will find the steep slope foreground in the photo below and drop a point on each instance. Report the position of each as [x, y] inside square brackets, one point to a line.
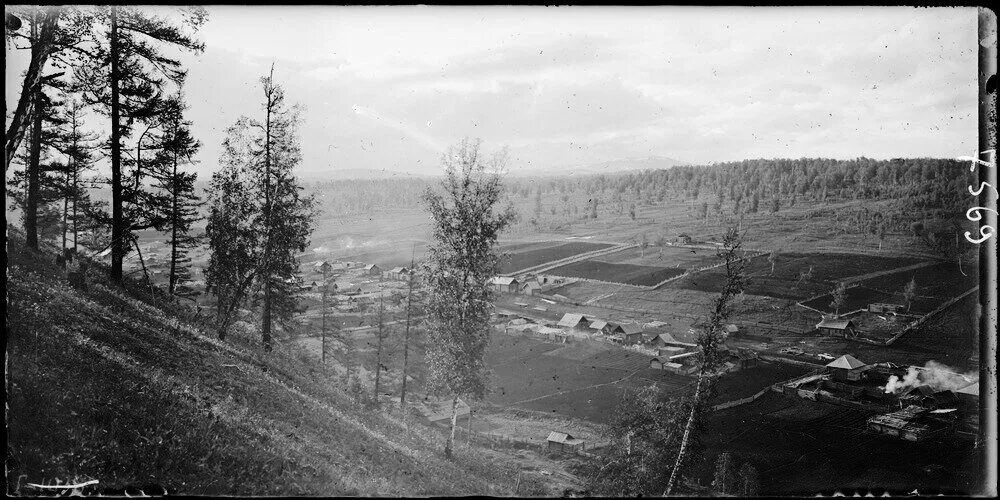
[123, 386]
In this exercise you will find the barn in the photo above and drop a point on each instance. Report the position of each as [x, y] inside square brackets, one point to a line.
[829, 326]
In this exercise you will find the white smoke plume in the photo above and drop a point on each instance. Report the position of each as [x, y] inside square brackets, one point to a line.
[937, 376]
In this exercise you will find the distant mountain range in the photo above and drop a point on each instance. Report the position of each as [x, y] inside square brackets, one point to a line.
[605, 167]
[355, 173]
[608, 167]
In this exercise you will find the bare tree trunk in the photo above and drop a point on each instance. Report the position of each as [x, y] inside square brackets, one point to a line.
[266, 316]
[117, 216]
[406, 337]
[174, 216]
[378, 349]
[41, 47]
[34, 172]
[684, 439]
[451, 436]
[65, 218]
[468, 437]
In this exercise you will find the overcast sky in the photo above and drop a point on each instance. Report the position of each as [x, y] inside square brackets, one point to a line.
[390, 88]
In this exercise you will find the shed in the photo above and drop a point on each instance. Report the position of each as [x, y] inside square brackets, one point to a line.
[632, 333]
[847, 367]
[599, 325]
[830, 326]
[531, 288]
[574, 320]
[661, 340]
[373, 269]
[322, 267]
[505, 284]
[562, 442]
[398, 273]
[656, 364]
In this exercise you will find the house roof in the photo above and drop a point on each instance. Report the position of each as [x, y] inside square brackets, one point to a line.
[971, 389]
[371, 266]
[562, 437]
[631, 328]
[665, 337]
[599, 324]
[572, 319]
[846, 362]
[836, 324]
[682, 356]
[502, 280]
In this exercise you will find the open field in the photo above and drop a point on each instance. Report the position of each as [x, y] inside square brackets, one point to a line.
[578, 380]
[827, 268]
[803, 448]
[749, 381]
[531, 256]
[629, 274]
[859, 297]
[942, 280]
[936, 284]
[665, 256]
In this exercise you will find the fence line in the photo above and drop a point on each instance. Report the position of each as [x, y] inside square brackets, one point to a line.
[572, 258]
[929, 315]
[737, 402]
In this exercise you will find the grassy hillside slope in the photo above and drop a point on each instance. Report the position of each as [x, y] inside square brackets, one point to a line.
[123, 386]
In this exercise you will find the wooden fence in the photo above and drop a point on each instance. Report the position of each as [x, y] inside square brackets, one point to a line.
[929, 315]
[737, 402]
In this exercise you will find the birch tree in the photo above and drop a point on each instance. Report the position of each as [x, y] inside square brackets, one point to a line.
[712, 337]
[461, 260]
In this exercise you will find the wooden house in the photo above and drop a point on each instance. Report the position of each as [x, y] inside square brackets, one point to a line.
[829, 326]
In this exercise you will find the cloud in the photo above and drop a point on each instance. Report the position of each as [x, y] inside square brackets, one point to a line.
[576, 85]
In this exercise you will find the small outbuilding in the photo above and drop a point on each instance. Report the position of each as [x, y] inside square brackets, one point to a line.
[575, 321]
[847, 367]
[830, 326]
[563, 442]
[656, 364]
[631, 333]
[504, 284]
[373, 270]
[531, 288]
